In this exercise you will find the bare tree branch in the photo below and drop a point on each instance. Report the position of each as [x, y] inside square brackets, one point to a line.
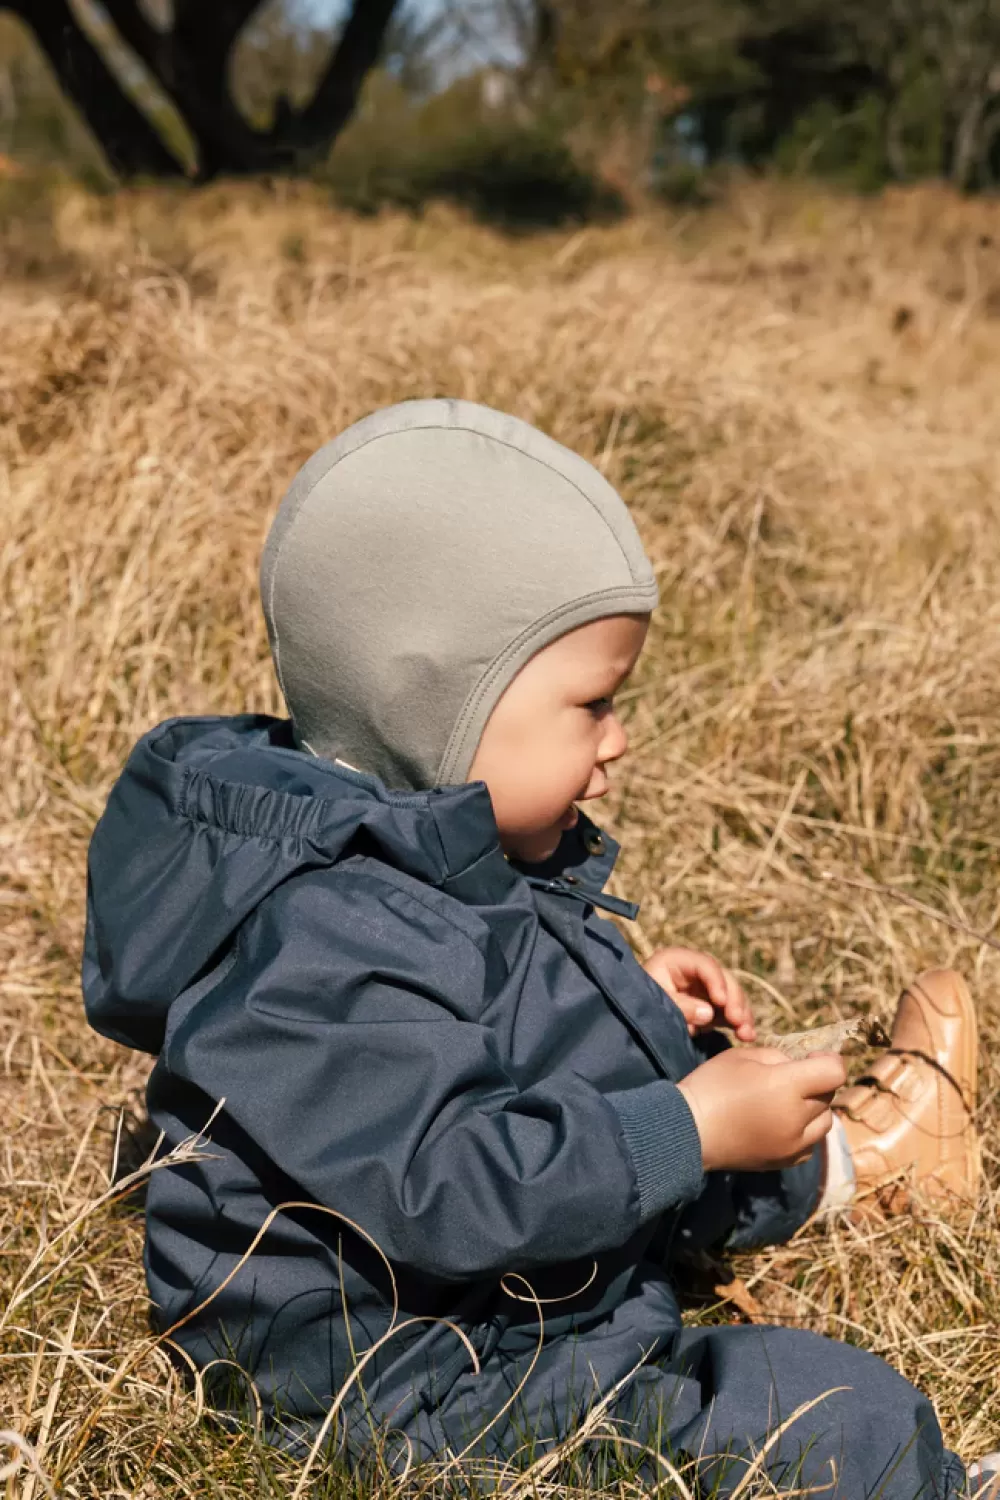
[337, 93]
[190, 62]
[145, 40]
[131, 144]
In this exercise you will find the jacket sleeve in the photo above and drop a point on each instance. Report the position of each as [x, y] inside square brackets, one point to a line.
[358, 1054]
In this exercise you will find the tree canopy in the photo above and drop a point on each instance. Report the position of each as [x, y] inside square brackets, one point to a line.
[896, 88]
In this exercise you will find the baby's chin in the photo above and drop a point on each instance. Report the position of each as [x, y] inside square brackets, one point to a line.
[533, 848]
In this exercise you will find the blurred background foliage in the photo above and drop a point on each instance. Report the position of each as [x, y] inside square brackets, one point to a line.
[526, 111]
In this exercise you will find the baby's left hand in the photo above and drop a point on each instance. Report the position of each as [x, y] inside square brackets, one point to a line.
[706, 994]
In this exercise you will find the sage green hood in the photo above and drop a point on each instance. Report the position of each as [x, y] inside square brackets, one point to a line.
[414, 566]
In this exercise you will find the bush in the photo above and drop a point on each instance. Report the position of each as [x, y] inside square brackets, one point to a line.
[514, 172]
[846, 146]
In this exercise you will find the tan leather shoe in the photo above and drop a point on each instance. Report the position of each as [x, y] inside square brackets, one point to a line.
[912, 1110]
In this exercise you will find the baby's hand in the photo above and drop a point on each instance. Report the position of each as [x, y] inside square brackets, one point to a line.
[756, 1111]
[706, 994]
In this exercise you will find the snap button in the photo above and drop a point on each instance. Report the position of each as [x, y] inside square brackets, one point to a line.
[572, 879]
[593, 843]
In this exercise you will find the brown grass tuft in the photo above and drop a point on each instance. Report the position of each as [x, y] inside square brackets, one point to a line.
[798, 394]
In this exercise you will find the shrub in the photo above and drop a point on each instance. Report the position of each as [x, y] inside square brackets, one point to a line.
[510, 170]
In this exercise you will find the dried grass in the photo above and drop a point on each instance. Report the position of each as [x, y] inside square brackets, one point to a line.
[799, 397]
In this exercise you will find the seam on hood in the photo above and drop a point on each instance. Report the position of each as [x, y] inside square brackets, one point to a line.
[579, 611]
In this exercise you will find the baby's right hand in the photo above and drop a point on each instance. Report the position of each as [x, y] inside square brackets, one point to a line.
[755, 1110]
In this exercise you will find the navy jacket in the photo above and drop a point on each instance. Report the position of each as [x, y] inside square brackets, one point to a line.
[384, 1018]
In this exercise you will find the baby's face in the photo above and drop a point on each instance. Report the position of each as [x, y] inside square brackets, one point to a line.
[551, 735]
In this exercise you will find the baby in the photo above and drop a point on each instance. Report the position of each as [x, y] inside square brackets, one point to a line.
[366, 945]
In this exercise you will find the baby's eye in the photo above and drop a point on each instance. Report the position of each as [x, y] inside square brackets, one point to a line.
[600, 705]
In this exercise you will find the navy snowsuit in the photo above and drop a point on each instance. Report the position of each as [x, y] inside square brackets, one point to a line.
[381, 1015]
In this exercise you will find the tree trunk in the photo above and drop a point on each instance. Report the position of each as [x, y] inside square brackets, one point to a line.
[196, 77]
[130, 143]
[190, 63]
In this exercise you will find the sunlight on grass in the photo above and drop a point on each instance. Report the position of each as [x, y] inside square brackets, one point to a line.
[798, 396]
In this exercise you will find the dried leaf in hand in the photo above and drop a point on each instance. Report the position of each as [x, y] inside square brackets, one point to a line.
[840, 1036]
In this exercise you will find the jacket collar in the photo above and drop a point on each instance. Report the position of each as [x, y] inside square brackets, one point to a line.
[585, 856]
[246, 775]
[580, 869]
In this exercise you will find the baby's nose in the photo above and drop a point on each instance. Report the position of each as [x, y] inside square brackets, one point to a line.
[614, 741]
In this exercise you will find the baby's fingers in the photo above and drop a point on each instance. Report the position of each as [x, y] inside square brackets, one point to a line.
[697, 1013]
[819, 1075]
[817, 1128]
[737, 1010]
[707, 971]
[726, 995]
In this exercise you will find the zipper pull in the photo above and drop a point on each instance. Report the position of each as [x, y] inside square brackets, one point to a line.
[614, 904]
[570, 885]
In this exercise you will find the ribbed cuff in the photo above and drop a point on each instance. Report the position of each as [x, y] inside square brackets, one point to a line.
[664, 1144]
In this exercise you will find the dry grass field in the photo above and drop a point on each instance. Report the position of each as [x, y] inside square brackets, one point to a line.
[800, 397]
